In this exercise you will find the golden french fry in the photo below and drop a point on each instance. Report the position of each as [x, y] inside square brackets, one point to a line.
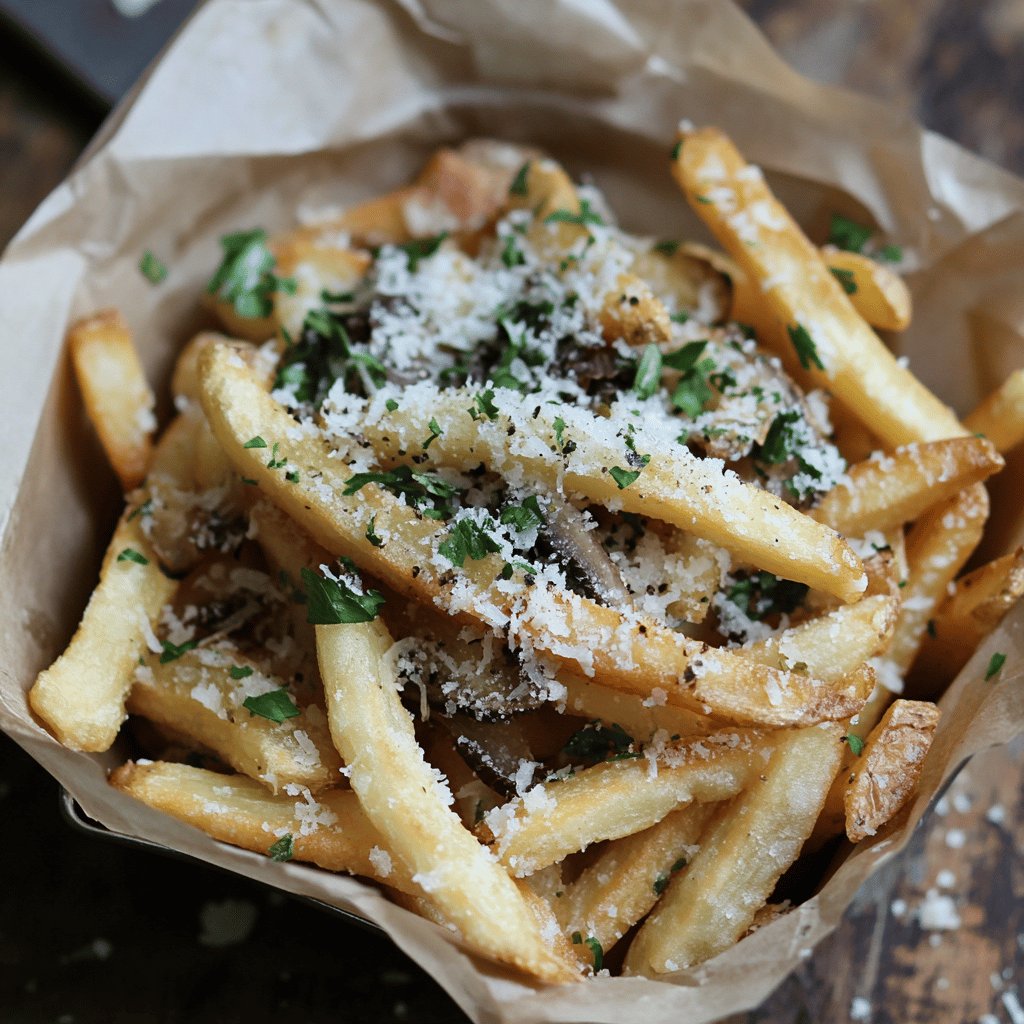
[617, 798]
[619, 653]
[678, 488]
[837, 349]
[748, 846]
[1000, 417]
[977, 605]
[626, 879]
[198, 694]
[689, 278]
[331, 831]
[117, 398]
[633, 312]
[886, 774]
[405, 800]
[878, 293]
[81, 696]
[890, 489]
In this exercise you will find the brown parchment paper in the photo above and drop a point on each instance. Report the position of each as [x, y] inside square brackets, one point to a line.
[262, 104]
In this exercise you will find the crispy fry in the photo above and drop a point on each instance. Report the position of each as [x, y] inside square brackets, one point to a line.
[679, 488]
[617, 798]
[879, 294]
[760, 235]
[119, 401]
[624, 882]
[888, 490]
[331, 831]
[403, 798]
[689, 278]
[886, 774]
[751, 842]
[198, 695]
[81, 696]
[620, 653]
[977, 605]
[1000, 417]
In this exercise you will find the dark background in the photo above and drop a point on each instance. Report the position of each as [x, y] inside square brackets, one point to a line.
[95, 933]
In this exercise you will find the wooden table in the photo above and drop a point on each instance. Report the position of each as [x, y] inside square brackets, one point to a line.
[94, 934]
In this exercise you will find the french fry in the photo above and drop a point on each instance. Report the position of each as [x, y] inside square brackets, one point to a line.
[617, 798]
[581, 633]
[401, 795]
[751, 842]
[839, 350]
[331, 831]
[1000, 417]
[691, 277]
[888, 490]
[633, 312]
[977, 605]
[624, 882]
[81, 697]
[878, 293]
[679, 488]
[197, 694]
[119, 401]
[886, 774]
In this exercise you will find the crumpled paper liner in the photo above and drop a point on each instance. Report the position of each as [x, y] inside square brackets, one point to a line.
[262, 104]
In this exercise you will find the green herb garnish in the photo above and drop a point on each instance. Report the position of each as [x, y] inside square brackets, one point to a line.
[333, 602]
[435, 433]
[255, 442]
[995, 665]
[131, 555]
[467, 539]
[806, 350]
[584, 217]
[275, 706]
[240, 671]
[519, 186]
[152, 269]
[371, 534]
[426, 492]
[246, 275]
[855, 743]
[846, 278]
[847, 234]
[283, 850]
[523, 517]
[171, 652]
[648, 372]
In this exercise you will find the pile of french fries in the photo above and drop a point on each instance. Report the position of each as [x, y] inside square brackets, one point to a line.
[568, 585]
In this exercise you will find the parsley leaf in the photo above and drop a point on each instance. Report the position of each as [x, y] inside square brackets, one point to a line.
[596, 951]
[246, 275]
[371, 533]
[519, 186]
[283, 850]
[598, 742]
[666, 247]
[648, 372]
[890, 253]
[420, 249]
[584, 217]
[171, 652]
[391, 405]
[467, 539]
[855, 742]
[806, 350]
[426, 492]
[333, 602]
[435, 433]
[624, 477]
[131, 555]
[846, 278]
[847, 234]
[151, 268]
[684, 358]
[680, 317]
[275, 461]
[483, 403]
[275, 706]
[240, 671]
[761, 594]
[511, 254]
[255, 442]
[995, 665]
[559, 430]
[693, 392]
[661, 882]
[523, 517]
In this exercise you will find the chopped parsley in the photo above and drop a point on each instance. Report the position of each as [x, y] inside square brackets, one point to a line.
[596, 951]
[847, 234]
[523, 517]
[145, 509]
[240, 671]
[435, 433]
[761, 594]
[467, 539]
[151, 268]
[511, 254]
[420, 249]
[283, 850]
[995, 665]
[666, 247]
[693, 390]
[624, 477]
[246, 278]
[333, 602]
[661, 882]
[255, 442]
[846, 278]
[806, 350]
[559, 430]
[426, 492]
[677, 149]
[483, 405]
[680, 317]
[275, 706]
[598, 742]
[131, 555]
[889, 253]
[648, 372]
[520, 186]
[275, 461]
[391, 405]
[371, 533]
[509, 568]
[171, 652]
[855, 743]
[583, 217]
[292, 476]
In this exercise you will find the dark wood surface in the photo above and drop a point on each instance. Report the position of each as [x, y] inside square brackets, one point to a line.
[92, 933]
